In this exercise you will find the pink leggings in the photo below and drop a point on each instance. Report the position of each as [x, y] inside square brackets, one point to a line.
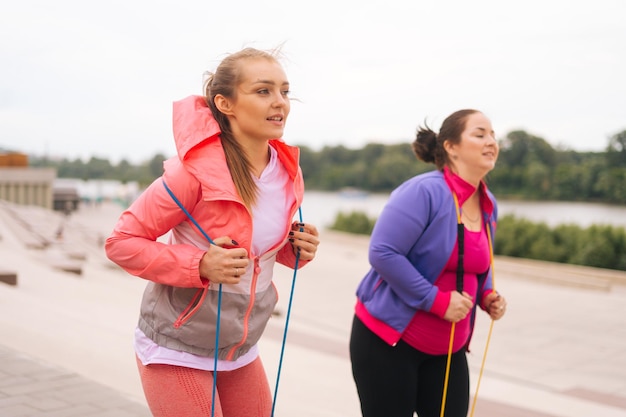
[177, 391]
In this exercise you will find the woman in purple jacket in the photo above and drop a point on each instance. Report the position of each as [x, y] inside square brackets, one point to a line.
[417, 287]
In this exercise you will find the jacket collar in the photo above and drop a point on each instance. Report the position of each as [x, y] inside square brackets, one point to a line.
[464, 190]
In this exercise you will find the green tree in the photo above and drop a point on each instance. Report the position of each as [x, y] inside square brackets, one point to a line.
[390, 170]
[337, 155]
[616, 150]
[98, 168]
[155, 165]
[538, 179]
[611, 185]
[519, 148]
[73, 169]
[125, 171]
[308, 161]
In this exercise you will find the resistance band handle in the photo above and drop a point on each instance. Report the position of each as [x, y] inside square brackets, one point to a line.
[461, 254]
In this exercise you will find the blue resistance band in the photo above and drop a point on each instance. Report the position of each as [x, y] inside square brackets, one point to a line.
[219, 296]
[219, 306]
[282, 349]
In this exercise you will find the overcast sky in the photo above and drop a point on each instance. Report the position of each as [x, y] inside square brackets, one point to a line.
[83, 78]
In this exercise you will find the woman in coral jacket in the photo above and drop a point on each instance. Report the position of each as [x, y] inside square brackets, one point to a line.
[242, 185]
[416, 287]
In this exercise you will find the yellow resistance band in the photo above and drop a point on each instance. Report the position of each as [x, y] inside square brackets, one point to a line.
[482, 366]
[452, 328]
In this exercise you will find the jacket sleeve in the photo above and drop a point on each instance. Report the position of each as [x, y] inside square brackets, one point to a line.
[287, 257]
[133, 243]
[395, 238]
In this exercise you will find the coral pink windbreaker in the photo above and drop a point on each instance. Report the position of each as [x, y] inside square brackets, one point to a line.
[179, 308]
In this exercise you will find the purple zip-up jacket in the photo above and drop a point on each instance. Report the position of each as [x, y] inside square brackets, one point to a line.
[410, 245]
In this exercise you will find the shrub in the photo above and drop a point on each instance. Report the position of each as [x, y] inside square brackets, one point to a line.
[598, 245]
[355, 222]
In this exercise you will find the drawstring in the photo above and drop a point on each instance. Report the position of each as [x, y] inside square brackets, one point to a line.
[219, 306]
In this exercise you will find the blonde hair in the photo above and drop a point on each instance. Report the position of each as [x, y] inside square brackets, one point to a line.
[224, 81]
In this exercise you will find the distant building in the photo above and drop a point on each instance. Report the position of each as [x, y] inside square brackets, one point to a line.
[65, 199]
[21, 184]
[94, 191]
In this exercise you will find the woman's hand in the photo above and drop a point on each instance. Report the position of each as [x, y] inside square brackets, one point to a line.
[495, 305]
[459, 307]
[304, 239]
[224, 263]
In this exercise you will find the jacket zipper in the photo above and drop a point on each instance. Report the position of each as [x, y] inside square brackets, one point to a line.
[255, 275]
[246, 317]
[189, 311]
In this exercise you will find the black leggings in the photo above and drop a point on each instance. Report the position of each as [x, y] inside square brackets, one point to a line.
[396, 381]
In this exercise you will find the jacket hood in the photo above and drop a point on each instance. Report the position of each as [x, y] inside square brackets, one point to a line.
[199, 148]
[193, 123]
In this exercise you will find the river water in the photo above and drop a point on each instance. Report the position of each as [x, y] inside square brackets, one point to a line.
[321, 208]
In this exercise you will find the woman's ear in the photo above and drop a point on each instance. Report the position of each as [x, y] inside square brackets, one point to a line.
[223, 104]
[449, 148]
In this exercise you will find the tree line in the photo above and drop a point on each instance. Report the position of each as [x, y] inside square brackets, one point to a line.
[600, 246]
[528, 168]
[102, 169]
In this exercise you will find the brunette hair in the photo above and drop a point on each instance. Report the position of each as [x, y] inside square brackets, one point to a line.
[428, 145]
[224, 81]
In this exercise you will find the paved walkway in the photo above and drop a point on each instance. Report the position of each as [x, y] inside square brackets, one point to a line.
[66, 338]
[32, 387]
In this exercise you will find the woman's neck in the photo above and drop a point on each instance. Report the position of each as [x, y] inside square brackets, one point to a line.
[467, 175]
[259, 157]
[471, 213]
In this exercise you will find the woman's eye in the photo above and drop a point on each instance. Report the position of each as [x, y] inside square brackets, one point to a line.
[263, 91]
[286, 92]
